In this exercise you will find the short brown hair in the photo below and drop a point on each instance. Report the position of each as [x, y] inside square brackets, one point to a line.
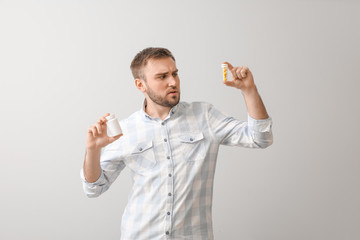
[141, 59]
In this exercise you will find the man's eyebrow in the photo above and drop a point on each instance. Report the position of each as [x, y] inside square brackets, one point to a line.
[163, 73]
[158, 74]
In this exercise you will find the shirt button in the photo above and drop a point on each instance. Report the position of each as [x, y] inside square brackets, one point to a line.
[163, 123]
[167, 233]
[168, 157]
[168, 213]
[169, 194]
[165, 140]
[140, 149]
[191, 139]
[170, 175]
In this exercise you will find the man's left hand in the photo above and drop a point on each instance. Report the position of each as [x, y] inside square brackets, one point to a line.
[242, 78]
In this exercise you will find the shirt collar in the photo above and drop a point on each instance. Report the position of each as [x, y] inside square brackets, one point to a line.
[173, 110]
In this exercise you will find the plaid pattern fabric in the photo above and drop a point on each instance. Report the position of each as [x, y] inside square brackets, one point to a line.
[172, 164]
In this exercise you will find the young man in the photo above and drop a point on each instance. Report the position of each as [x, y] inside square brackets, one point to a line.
[171, 149]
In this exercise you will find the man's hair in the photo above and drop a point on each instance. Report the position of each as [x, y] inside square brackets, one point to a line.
[141, 59]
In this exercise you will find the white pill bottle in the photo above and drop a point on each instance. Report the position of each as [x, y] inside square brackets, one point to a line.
[113, 126]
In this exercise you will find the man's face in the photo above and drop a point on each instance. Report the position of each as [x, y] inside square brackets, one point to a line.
[162, 81]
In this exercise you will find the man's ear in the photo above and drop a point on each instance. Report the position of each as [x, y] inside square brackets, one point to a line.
[139, 83]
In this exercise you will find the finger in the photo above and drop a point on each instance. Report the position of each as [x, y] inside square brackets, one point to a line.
[89, 131]
[93, 131]
[238, 73]
[234, 73]
[229, 65]
[98, 128]
[244, 71]
[103, 118]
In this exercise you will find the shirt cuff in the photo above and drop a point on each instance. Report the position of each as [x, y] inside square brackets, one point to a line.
[99, 181]
[260, 125]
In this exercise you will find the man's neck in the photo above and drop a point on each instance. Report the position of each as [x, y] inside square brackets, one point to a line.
[156, 111]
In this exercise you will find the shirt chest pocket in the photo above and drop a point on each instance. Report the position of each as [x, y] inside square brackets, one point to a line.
[192, 146]
[141, 158]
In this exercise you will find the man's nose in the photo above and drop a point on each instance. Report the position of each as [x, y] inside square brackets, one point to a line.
[172, 81]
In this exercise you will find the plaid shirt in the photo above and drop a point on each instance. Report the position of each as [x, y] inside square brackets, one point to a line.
[172, 165]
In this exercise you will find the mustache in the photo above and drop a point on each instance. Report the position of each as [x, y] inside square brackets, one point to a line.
[172, 89]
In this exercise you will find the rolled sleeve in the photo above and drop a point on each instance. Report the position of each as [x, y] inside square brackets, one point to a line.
[260, 125]
[111, 164]
[93, 189]
[261, 130]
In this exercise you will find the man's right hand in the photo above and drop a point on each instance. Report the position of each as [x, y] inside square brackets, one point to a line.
[96, 137]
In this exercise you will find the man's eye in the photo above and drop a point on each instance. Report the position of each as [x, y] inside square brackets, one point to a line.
[163, 76]
[175, 74]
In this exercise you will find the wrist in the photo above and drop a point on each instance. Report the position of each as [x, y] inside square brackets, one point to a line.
[251, 91]
[93, 150]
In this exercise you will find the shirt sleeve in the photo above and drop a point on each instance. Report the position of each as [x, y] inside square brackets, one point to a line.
[111, 166]
[232, 132]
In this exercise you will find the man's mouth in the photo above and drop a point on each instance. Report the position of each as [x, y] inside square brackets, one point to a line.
[172, 92]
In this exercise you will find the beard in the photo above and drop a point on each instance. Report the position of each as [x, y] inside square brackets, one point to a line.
[162, 101]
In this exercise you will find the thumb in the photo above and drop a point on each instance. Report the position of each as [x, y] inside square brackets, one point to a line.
[112, 139]
[229, 83]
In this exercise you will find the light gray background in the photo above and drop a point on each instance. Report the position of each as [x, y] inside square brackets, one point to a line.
[65, 63]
